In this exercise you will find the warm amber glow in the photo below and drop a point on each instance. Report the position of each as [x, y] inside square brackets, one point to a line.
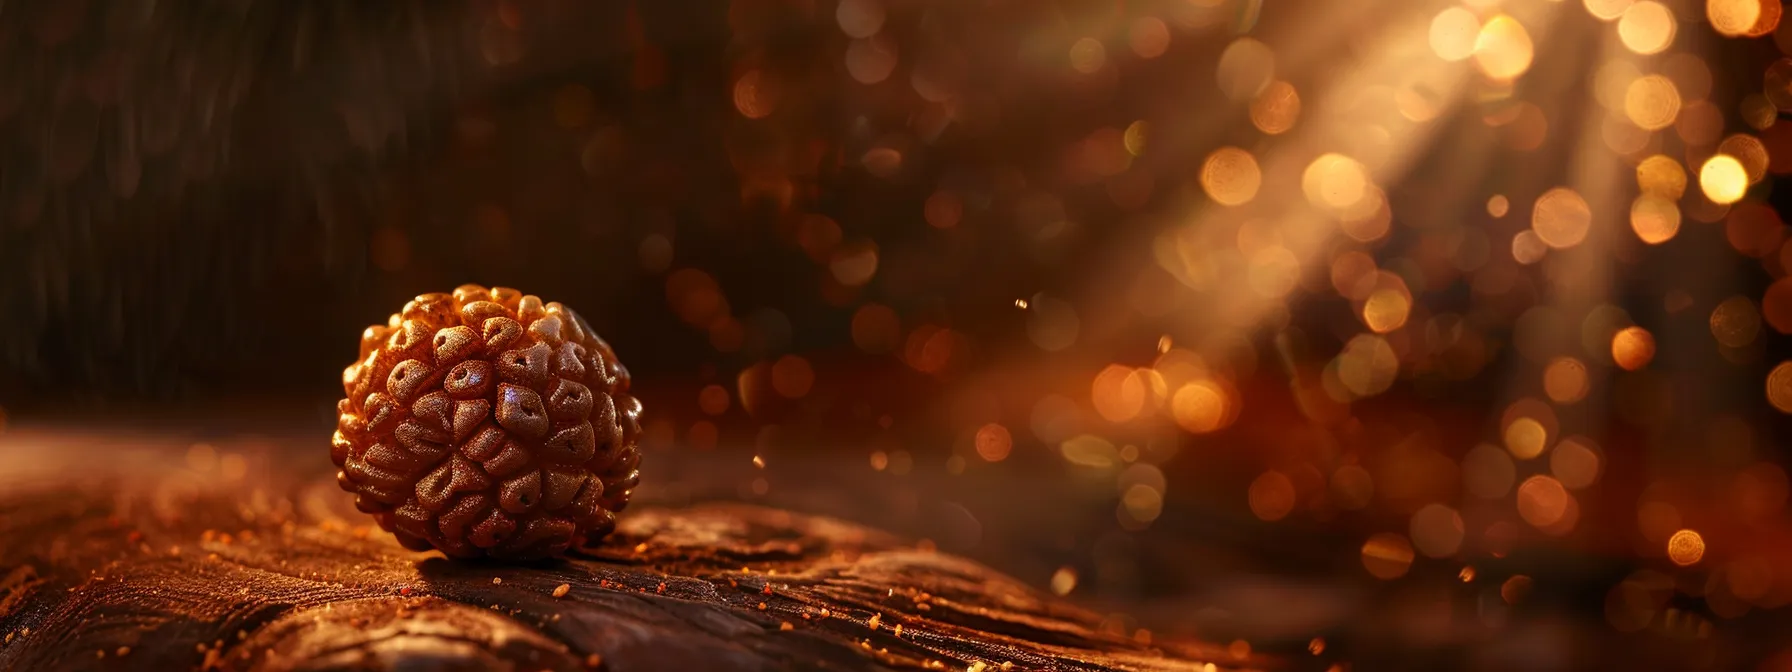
[1387, 308]
[1735, 322]
[1497, 205]
[1437, 530]
[1561, 218]
[1723, 179]
[1749, 151]
[1574, 463]
[1245, 67]
[1686, 548]
[1201, 406]
[1230, 176]
[1335, 182]
[1606, 10]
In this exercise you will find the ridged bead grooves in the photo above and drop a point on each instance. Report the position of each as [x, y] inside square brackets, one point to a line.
[485, 423]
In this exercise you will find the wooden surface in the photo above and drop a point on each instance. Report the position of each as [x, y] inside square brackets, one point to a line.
[115, 555]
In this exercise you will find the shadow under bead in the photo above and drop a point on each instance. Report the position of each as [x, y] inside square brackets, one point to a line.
[486, 423]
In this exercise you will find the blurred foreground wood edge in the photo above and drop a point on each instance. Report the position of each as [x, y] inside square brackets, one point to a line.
[120, 560]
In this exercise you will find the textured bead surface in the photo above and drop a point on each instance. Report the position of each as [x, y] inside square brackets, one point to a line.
[485, 423]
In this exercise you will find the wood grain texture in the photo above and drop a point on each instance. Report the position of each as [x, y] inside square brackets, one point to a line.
[121, 559]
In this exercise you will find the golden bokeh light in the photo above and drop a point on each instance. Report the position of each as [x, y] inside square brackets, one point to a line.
[1633, 348]
[1646, 27]
[1245, 68]
[1661, 176]
[1749, 151]
[1272, 496]
[1335, 182]
[1652, 102]
[1202, 406]
[1606, 10]
[1230, 176]
[1686, 548]
[1654, 218]
[1561, 218]
[1387, 308]
[1575, 463]
[993, 442]
[1723, 179]
[1087, 55]
[1497, 205]
[1735, 322]
[1437, 530]
[1526, 438]
[792, 376]
[1453, 34]
[1565, 380]
[1119, 393]
[1779, 387]
[1542, 501]
[1276, 108]
[1367, 366]
[1733, 18]
[1387, 556]
[1488, 472]
[1503, 48]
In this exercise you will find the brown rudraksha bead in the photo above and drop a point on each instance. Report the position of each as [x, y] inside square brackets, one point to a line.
[486, 423]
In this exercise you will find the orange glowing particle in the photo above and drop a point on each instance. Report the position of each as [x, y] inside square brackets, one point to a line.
[1335, 182]
[713, 400]
[1723, 179]
[1503, 48]
[1467, 574]
[860, 18]
[1686, 548]
[1561, 218]
[1230, 176]
[853, 264]
[1515, 588]
[1387, 555]
[1149, 37]
[871, 60]
[1202, 406]
[1779, 387]
[1565, 380]
[994, 442]
[1632, 348]
[1655, 219]
[755, 95]
[1387, 308]
[1542, 501]
[1733, 18]
[1276, 108]
[792, 376]
[1272, 496]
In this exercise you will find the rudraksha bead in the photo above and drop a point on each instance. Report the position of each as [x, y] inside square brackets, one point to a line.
[485, 423]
